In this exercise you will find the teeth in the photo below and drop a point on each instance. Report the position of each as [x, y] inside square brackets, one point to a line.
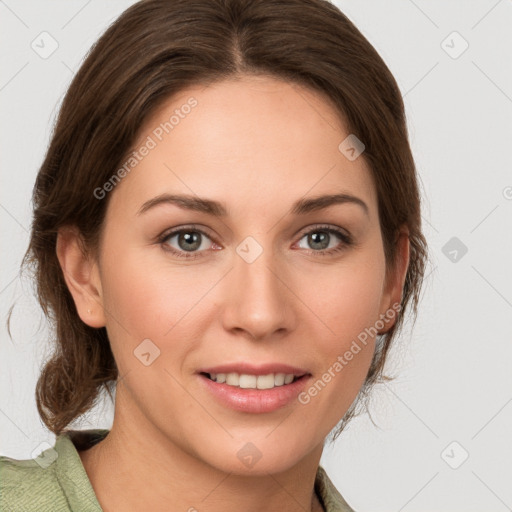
[279, 379]
[247, 381]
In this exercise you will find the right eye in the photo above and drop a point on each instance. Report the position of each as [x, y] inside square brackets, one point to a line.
[188, 240]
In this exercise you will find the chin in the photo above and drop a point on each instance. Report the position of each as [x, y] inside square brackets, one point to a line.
[258, 457]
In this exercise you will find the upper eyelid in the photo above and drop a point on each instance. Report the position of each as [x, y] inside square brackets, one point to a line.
[327, 227]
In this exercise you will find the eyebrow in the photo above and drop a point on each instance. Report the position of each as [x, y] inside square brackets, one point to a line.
[216, 209]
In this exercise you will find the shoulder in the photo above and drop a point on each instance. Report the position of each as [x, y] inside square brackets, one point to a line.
[54, 481]
[30, 484]
[332, 500]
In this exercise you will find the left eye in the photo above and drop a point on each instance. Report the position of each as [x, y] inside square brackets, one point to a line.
[320, 239]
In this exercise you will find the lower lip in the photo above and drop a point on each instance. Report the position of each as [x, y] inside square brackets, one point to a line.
[255, 400]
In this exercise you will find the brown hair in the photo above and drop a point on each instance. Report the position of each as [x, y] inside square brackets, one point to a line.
[152, 51]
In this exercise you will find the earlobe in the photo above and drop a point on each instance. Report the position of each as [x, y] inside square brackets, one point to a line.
[81, 275]
[395, 281]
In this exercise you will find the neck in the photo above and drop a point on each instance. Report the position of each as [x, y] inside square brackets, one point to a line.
[129, 471]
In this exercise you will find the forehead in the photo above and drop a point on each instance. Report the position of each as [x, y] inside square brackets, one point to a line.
[251, 143]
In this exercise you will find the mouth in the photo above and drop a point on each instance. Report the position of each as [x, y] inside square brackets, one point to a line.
[254, 389]
[252, 381]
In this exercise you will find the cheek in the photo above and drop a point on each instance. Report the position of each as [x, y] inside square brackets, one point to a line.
[347, 303]
[146, 296]
[346, 299]
[349, 311]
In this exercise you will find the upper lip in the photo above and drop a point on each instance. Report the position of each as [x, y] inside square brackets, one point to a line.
[250, 369]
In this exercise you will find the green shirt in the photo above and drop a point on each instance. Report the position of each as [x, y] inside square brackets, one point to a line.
[56, 480]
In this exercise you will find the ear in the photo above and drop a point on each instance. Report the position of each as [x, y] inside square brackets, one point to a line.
[395, 278]
[82, 276]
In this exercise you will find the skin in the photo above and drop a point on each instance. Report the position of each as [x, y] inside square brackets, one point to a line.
[257, 145]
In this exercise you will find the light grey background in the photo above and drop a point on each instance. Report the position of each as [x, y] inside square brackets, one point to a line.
[455, 378]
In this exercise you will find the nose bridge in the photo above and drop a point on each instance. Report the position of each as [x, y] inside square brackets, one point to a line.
[259, 301]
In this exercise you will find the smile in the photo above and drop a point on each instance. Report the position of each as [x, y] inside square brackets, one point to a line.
[257, 394]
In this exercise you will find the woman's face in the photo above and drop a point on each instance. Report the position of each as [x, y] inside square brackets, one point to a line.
[268, 286]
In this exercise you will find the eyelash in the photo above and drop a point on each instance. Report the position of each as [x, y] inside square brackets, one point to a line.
[346, 241]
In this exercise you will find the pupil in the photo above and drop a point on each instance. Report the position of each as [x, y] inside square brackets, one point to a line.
[189, 239]
[319, 240]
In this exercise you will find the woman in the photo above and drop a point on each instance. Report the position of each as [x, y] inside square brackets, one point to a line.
[227, 234]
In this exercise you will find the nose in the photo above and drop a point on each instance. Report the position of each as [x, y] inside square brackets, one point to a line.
[259, 301]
